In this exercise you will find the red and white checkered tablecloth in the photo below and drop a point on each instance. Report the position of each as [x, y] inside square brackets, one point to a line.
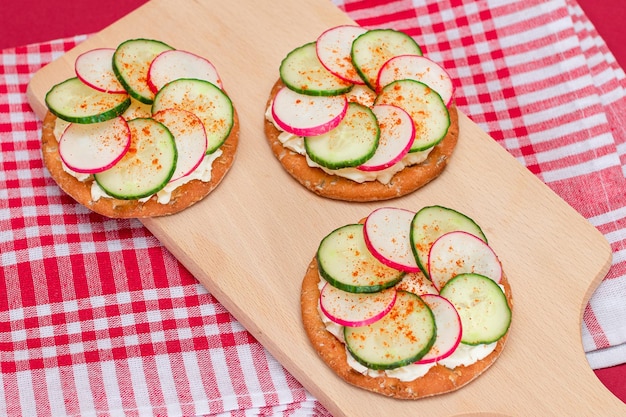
[97, 318]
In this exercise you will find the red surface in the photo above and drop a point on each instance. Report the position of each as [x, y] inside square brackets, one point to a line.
[615, 380]
[39, 20]
[609, 18]
[30, 21]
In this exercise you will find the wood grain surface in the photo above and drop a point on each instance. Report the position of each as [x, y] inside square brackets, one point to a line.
[250, 241]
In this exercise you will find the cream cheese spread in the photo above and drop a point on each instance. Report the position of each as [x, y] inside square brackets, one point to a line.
[464, 355]
[137, 109]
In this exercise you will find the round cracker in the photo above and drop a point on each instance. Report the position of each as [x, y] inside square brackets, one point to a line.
[339, 188]
[438, 380]
[182, 197]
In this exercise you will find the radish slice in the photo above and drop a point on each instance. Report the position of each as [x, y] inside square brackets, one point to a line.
[355, 309]
[449, 328]
[303, 115]
[95, 69]
[174, 64]
[459, 252]
[419, 68]
[387, 236]
[190, 138]
[334, 51]
[397, 132]
[417, 283]
[94, 147]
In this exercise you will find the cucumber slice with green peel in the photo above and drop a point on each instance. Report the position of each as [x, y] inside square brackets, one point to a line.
[401, 337]
[302, 71]
[481, 304]
[76, 102]
[131, 63]
[344, 261]
[204, 99]
[424, 105]
[431, 222]
[146, 167]
[350, 144]
[372, 49]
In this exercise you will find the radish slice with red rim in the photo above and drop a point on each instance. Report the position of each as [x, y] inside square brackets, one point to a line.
[190, 138]
[94, 147]
[460, 252]
[304, 115]
[449, 328]
[95, 69]
[355, 309]
[419, 68]
[334, 48]
[174, 64]
[397, 132]
[387, 236]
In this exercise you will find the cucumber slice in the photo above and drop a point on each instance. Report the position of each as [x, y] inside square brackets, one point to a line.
[302, 71]
[424, 105]
[344, 261]
[146, 167]
[350, 144]
[402, 336]
[431, 222]
[372, 49]
[131, 63]
[75, 102]
[481, 304]
[204, 99]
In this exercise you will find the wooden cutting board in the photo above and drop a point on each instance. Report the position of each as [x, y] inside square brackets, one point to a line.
[251, 240]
